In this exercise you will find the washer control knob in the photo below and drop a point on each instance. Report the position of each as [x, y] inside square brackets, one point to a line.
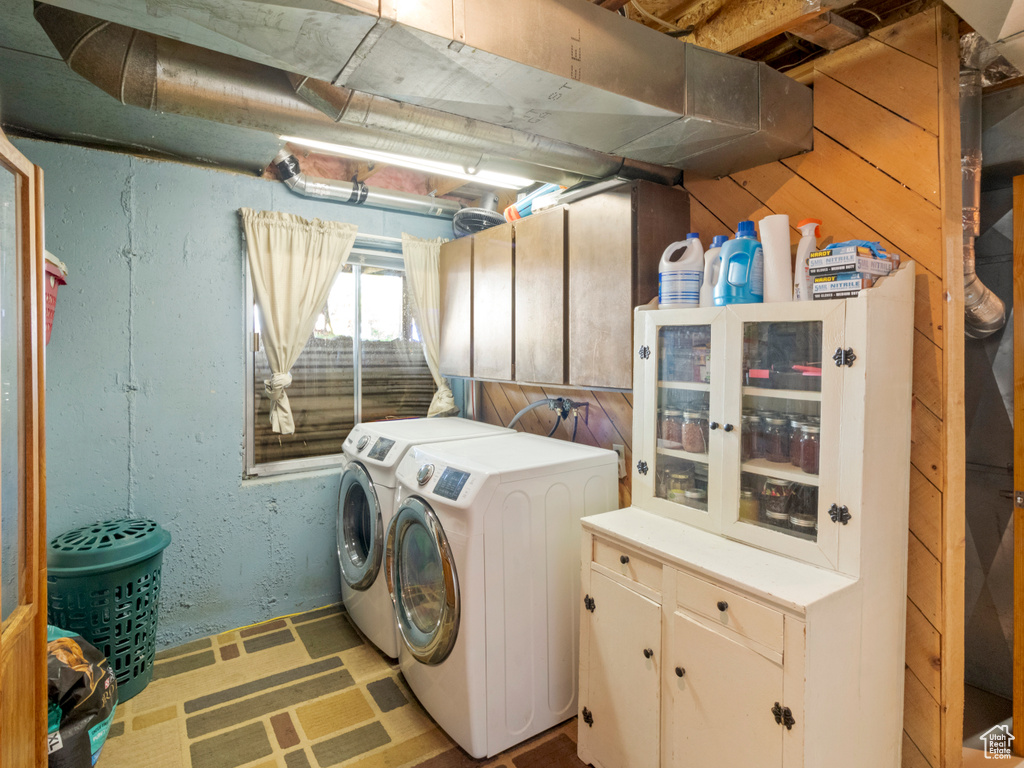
[425, 473]
[363, 441]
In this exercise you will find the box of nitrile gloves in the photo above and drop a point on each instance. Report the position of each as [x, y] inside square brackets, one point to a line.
[841, 286]
[849, 259]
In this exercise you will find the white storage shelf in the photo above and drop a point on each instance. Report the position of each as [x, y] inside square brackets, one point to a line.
[711, 639]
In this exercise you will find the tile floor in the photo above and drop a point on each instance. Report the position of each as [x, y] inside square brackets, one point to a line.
[303, 691]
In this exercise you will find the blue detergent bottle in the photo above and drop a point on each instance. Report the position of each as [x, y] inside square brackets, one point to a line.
[741, 276]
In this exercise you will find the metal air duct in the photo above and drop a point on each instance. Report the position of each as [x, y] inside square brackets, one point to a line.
[984, 312]
[155, 73]
[357, 193]
[566, 70]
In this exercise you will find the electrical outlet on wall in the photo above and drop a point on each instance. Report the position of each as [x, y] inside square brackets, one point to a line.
[621, 451]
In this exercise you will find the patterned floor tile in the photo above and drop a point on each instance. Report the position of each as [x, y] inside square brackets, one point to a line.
[263, 642]
[232, 749]
[334, 713]
[266, 703]
[328, 636]
[387, 694]
[183, 664]
[338, 749]
[326, 698]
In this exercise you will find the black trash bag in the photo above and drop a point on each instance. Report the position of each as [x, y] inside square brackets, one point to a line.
[82, 695]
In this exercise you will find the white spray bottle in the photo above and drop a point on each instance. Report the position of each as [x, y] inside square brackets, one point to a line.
[712, 263]
[811, 231]
[680, 273]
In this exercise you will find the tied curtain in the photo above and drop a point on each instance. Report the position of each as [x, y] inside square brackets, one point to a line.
[293, 263]
[423, 284]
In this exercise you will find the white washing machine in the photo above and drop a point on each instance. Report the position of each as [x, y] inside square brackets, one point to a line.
[365, 504]
[483, 565]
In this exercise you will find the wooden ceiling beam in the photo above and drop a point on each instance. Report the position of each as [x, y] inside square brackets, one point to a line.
[443, 185]
[742, 24]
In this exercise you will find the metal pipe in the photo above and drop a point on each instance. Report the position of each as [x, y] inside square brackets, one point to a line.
[357, 193]
[984, 312]
[163, 75]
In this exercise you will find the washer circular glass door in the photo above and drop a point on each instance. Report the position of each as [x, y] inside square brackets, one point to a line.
[360, 528]
[423, 582]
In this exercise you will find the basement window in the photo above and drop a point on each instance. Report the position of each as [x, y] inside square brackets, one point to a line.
[343, 377]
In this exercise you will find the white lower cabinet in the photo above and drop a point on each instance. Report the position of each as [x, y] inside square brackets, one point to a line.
[718, 710]
[624, 700]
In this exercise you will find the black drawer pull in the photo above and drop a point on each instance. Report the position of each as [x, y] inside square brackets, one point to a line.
[680, 671]
[623, 559]
[648, 653]
[723, 606]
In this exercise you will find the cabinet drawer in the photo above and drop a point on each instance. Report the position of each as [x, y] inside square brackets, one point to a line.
[741, 614]
[637, 567]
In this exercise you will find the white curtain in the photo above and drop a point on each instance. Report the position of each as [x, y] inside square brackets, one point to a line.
[293, 263]
[423, 283]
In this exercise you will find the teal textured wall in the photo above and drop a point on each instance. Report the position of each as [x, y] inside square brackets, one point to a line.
[146, 383]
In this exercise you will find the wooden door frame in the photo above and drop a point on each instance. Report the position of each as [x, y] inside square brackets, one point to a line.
[1018, 466]
[30, 616]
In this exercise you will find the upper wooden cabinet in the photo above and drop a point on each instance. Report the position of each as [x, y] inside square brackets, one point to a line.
[493, 297]
[615, 243]
[456, 267]
[552, 296]
[540, 297]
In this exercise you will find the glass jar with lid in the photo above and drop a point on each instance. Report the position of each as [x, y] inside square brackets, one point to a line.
[775, 498]
[750, 506]
[809, 449]
[795, 428]
[696, 497]
[671, 427]
[803, 513]
[679, 481]
[776, 440]
[756, 423]
[692, 433]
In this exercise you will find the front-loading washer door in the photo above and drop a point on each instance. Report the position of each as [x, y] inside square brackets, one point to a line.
[360, 528]
[423, 582]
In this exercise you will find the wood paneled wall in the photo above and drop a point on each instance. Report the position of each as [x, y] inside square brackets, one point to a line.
[885, 167]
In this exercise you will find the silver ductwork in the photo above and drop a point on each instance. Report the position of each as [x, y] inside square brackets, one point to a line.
[984, 312]
[357, 193]
[162, 75]
[565, 70]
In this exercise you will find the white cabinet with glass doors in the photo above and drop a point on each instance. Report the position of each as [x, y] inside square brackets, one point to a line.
[769, 522]
[740, 412]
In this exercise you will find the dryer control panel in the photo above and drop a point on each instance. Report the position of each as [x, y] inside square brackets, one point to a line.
[451, 483]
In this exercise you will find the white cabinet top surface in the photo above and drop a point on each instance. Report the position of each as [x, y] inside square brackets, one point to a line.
[777, 579]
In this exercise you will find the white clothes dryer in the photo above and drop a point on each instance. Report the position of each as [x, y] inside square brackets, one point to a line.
[366, 501]
[483, 566]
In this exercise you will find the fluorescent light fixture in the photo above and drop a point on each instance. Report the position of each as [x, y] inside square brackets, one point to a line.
[490, 178]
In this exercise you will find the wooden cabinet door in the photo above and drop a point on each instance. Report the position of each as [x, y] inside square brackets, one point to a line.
[720, 708]
[456, 277]
[540, 298]
[22, 475]
[493, 302]
[623, 685]
[601, 290]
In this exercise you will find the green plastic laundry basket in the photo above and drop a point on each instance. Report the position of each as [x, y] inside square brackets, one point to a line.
[104, 584]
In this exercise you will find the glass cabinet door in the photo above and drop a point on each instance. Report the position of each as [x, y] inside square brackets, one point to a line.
[682, 401]
[786, 394]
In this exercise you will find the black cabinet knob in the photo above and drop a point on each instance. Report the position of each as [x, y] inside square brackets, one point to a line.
[648, 653]
[680, 671]
[623, 559]
[713, 425]
[728, 427]
[723, 606]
